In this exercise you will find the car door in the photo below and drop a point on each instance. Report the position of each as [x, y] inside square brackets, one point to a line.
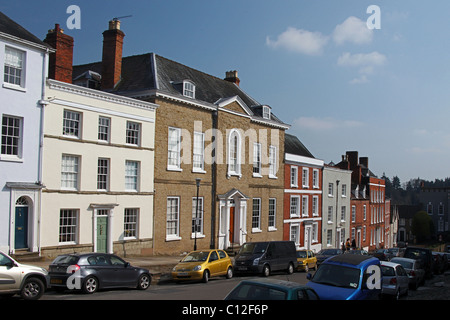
[402, 278]
[223, 262]
[124, 274]
[100, 267]
[214, 263]
[10, 275]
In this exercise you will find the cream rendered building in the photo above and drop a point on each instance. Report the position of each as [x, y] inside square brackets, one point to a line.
[98, 165]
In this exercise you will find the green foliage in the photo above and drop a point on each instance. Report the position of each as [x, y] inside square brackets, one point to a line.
[422, 226]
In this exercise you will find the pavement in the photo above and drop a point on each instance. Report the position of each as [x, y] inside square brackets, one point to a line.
[159, 266]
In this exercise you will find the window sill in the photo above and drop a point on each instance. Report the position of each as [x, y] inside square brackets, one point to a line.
[9, 158]
[256, 230]
[173, 238]
[257, 175]
[176, 169]
[14, 87]
[199, 236]
[195, 170]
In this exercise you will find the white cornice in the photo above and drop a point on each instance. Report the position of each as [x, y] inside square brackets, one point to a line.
[100, 95]
[306, 160]
[26, 42]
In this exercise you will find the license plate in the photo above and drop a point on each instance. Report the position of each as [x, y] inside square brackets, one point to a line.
[182, 273]
[242, 268]
[56, 281]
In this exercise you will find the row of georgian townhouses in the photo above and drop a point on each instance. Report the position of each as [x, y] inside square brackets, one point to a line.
[144, 155]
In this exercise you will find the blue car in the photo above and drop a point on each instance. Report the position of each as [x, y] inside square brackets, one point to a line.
[347, 277]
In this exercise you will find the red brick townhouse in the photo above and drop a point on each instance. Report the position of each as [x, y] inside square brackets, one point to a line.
[368, 207]
[302, 195]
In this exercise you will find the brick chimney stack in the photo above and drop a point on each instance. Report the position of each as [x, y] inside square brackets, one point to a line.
[112, 55]
[232, 76]
[61, 61]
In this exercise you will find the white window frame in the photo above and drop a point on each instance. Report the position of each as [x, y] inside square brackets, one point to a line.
[294, 207]
[305, 177]
[200, 233]
[257, 160]
[198, 153]
[17, 66]
[305, 206]
[331, 189]
[315, 206]
[256, 215]
[72, 126]
[104, 129]
[316, 183]
[234, 153]
[70, 172]
[330, 214]
[132, 174]
[272, 218]
[188, 89]
[174, 149]
[294, 177]
[175, 219]
[12, 139]
[133, 134]
[68, 219]
[273, 162]
[103, 174]
[266, 112]
[131, 223]
[294, 236]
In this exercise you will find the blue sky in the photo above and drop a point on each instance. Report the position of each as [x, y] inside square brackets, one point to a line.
[340, 85]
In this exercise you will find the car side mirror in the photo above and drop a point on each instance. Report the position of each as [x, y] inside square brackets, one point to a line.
[309, 276]
[127, 264]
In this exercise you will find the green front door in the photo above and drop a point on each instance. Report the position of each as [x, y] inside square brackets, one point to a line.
[102, 234]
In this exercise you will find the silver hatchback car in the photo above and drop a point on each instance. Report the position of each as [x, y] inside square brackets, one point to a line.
[395, 280]
[16, 278]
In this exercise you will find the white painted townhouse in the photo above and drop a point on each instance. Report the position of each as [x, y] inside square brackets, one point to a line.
[24, 60]
[98, 169]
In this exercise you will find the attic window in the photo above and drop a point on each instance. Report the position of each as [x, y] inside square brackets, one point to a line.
[188, 89]
[266, 112]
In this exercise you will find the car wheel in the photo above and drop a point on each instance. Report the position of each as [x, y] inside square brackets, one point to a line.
[205, 276]
[290, 269]
[144, 282]
[90, 285]
[229, 273]
[32, 289]
[266, 271]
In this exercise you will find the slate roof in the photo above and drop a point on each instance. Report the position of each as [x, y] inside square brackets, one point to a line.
[12, 28]
[293, 145]
[153, 72]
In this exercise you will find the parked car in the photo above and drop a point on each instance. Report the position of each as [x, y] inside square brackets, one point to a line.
[324, 254]
[202, 265]
[395, 280]
[414, 270]
[306, 260]
[271, 289]
[93, 271]
[396, 252]
[16, 278]
[357, 251]
[424, 255]
[346, 277]
[266, 257]
[447, 255]
[383, 254]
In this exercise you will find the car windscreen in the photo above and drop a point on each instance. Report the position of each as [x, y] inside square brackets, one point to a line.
[196, 256]
[253, 248]
[66, 260]
[301, 254]
[328, 252]
[256, 292]
[337, 276]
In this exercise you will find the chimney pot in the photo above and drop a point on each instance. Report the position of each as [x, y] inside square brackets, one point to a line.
[232, 76]
[112, 55]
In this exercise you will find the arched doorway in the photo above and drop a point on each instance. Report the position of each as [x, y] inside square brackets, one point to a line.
[21, 224]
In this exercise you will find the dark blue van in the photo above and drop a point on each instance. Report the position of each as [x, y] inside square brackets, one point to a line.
[347, 277]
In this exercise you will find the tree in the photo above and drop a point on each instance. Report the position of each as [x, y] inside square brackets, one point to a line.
[422, 226]
[396, 183]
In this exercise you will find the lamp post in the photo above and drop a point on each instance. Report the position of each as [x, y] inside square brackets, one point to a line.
[197, 182]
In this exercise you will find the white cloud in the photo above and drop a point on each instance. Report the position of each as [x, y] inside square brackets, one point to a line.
[365, 62]
[300, 41]
[352, 30]
[321, 124]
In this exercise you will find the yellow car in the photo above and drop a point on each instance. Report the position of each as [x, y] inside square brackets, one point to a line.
[202, 265]
[306, 260]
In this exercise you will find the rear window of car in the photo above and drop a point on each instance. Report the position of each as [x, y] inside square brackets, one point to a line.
[66, 259]
[387, 271]
[257, 292]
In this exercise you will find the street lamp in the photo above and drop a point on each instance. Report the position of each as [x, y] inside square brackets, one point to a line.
[197, 182]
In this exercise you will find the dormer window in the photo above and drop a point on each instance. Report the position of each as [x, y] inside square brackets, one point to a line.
[266, 112]
[189, 89]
